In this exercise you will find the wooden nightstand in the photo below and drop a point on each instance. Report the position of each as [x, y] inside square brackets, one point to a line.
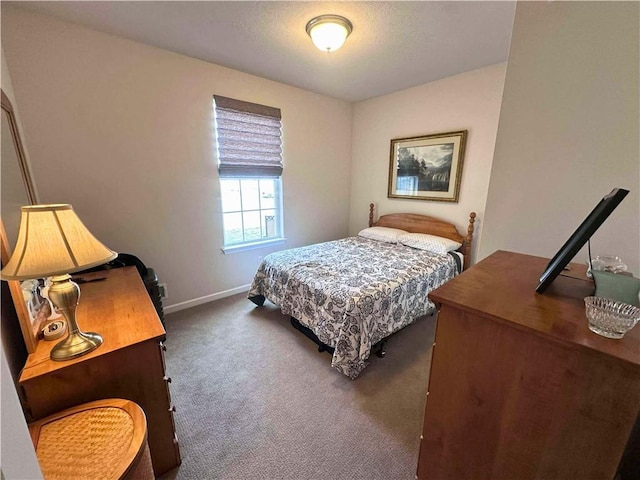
[129, 364]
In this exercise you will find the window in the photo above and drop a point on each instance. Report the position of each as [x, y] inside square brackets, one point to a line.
[249, 209]
[249, 148]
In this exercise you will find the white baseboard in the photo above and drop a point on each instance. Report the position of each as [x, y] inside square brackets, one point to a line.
[207, 298]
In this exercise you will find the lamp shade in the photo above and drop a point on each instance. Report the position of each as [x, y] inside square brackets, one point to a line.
[53, 241]
[329, 32]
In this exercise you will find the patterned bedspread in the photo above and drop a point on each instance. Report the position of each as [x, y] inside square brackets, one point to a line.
[352, 292]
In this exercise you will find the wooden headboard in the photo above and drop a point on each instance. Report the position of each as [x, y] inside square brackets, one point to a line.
[415, 223]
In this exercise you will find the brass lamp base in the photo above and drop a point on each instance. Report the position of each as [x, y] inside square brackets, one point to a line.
[75, 345]
[65, 295]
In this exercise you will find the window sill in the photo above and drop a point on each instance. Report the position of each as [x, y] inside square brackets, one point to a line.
[252, 246]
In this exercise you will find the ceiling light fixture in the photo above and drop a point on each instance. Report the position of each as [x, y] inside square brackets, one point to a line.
[329, 32]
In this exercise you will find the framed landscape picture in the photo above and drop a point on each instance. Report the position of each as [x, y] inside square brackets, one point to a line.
[427, 167]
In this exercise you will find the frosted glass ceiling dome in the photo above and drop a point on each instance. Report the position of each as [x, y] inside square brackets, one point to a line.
[329, 32]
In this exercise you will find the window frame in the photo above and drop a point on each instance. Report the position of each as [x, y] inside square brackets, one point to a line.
[279, 239]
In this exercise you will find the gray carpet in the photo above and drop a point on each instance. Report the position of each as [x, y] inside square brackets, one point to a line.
[256, 400]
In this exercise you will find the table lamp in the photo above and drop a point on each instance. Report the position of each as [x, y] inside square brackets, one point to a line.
[53, 242]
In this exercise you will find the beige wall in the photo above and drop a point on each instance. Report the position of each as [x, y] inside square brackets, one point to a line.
[123, 132]
[568, 130]
[469, 101]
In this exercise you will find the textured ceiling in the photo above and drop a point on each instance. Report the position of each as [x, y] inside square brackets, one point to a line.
[394, 45]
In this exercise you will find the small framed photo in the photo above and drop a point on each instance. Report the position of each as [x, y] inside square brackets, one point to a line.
[427, 167]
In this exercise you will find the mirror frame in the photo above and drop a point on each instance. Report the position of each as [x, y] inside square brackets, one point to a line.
[29, 330]
[17, 142]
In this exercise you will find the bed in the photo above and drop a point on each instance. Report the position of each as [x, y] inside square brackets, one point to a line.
[348, 295]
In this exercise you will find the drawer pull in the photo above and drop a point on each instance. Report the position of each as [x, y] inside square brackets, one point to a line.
[172, 408]
[163, 347]
[167, 379]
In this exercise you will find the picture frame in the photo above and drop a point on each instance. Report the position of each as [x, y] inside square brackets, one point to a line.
[428, 167]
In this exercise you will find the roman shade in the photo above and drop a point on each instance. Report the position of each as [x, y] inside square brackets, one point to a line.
[248, 138]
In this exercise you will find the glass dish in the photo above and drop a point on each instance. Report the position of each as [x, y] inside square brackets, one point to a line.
[608, 263]
[609, 318]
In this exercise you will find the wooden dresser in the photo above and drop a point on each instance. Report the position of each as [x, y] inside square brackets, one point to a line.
[129, 364]
[520, 388]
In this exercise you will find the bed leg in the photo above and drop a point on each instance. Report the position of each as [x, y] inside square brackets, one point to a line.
[258, 300]
[312, 336]
[380, 351]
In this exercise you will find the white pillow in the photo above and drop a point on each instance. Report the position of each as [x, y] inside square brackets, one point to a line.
[382, 234]
[431, 243]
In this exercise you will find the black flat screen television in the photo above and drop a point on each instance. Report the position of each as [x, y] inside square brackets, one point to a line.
[578, 238]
